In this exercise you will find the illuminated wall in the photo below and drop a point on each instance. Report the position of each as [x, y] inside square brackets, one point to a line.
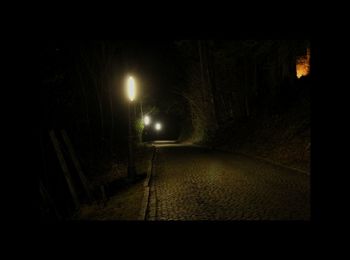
[303, 65]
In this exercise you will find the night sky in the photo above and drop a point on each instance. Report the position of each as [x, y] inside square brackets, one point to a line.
[159, 64]
[156, 63]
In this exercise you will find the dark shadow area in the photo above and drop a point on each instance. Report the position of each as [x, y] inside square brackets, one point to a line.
[239, 96]
[120, 185]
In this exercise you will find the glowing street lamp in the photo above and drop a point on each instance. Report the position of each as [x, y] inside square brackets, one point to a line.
[158, 127]
[131, 89]
[147, 120]
[131, 93]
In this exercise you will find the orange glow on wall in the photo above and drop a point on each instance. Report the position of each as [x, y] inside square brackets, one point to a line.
[303, 65]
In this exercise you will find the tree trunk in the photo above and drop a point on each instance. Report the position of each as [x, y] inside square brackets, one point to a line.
[246, 87]
[83, 91]
[207, 81]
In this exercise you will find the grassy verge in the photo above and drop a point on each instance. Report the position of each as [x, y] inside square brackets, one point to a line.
[123, 199]
[283, 138]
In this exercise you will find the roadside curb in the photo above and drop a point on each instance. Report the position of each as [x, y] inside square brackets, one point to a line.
[147, 191]
[256, 158]
[153, 196]
[274, 163]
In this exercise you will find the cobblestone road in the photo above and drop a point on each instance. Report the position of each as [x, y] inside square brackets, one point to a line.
[191, 183]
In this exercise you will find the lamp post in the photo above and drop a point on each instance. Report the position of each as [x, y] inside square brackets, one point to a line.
[146, 123]
[158, 127]
[147, 120]
[131, 91]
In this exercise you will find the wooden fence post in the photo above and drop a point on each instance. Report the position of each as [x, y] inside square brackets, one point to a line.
[76, 164]
[48, 200]
[64, 168]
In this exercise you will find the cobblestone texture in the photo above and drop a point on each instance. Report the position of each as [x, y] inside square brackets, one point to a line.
[192, 183]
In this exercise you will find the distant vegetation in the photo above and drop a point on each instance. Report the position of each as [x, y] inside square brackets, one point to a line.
[232, 82]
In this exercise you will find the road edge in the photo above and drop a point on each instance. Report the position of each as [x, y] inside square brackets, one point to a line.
[274, 163]
[257, 158]
[147, 191]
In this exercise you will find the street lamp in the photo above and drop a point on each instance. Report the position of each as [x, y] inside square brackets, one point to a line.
[147, 120]
[131, 93]
[131, 89]
[158, 126]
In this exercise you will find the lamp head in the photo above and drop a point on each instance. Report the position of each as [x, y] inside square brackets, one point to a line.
[131, 89]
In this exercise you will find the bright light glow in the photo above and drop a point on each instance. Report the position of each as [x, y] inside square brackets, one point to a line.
[131, 89]
[303, 65]
[158, 126]
[147, 120]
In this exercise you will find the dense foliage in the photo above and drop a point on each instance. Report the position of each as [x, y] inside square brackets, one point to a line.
[231, 80]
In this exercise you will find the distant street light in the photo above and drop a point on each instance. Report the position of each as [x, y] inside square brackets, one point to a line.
[131, 92]
[158, 126]
[147, 120]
